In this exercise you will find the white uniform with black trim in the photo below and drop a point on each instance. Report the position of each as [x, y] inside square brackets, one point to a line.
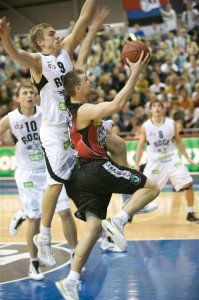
[163, 160]
[54, 131]
[31, 174]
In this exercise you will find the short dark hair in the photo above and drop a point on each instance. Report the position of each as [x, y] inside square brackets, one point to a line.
[156, 101]
[23, 86]
[71, 80]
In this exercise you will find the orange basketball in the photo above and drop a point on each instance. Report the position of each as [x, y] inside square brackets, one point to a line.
[132, 50]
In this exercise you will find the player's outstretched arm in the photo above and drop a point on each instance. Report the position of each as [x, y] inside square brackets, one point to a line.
[104, 109]
[77, 34]
[24, 58]
[96, 24]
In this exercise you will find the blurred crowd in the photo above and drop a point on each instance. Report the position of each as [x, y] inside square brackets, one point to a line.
[172, 74]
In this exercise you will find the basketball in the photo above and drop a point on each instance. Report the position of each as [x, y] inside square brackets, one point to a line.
[132, 50]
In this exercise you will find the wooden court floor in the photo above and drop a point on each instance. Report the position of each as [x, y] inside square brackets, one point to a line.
[162, 261]
[167, 222]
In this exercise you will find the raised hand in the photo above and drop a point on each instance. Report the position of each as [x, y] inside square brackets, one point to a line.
[4, 27]
[98, 19]
[140, 65]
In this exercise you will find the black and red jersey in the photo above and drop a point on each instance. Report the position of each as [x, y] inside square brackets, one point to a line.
[90, 142]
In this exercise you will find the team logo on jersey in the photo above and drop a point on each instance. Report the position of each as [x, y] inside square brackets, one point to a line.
[136, 179]
[18, 125]
[51, 66]
[97, 122]
[61, 93]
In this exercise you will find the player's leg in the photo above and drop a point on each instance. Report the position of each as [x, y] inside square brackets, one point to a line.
[43, 239]
[33, 229]
[68, 223]
[128, 181]
[69, 286]
[181, 179]
[30, 195]
[60, 160]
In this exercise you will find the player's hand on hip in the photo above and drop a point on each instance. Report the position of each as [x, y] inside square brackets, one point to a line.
[191, 162]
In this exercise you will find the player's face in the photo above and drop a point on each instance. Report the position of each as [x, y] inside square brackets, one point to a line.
[50, 39]
[26, 98]
[157, 110]
[86, 86]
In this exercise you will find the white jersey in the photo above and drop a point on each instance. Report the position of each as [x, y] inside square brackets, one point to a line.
[51, 88]
[28, 150]
[160, 144]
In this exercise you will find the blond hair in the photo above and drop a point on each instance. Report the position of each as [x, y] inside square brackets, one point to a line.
[36, 33]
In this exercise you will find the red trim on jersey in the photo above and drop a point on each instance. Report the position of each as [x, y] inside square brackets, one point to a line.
[86, 142]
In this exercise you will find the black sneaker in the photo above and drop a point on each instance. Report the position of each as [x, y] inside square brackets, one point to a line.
[192, 217]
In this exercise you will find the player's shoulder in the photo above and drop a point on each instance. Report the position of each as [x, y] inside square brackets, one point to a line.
[169, 120]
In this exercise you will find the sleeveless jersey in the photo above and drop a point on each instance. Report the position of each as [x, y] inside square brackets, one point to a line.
[160, 144]
[90, 142]
[28, 150]
[51, 88]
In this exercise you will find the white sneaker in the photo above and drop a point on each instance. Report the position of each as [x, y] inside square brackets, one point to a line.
[35, 272]
[68, 288]
[115, 228]
[45, 253]
[147, 209]
[107, 245]
[16, 222]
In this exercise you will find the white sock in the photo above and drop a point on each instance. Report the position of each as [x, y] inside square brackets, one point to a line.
[33, 259]
[190, 209]
[74, 275]
[122, 214]
[45, 231]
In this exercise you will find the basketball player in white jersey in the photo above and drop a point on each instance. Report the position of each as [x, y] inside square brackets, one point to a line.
[30, 175]
[47, 67]
[163, 161]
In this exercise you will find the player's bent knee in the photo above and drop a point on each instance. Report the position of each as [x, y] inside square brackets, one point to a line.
[188, 186]
[65, 214]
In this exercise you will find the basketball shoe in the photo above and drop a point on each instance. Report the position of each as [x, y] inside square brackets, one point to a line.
[191, 217]
[107, 245]
[147, 209]
[45, 253]
[68, 288]
[16, 221]
[114, 227]
[34, 271]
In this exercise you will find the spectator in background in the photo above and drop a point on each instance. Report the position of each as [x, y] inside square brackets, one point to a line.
[156, 85]
[177, 113]
[195, 94]
[191, 119]
[117, 121]
[138, 32]
[183, 99]
[169, 18]
[155, 34]
[190, 20]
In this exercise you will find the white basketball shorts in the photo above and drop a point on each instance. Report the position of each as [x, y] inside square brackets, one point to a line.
[31, 187]
[59, 154]
[171, 168]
